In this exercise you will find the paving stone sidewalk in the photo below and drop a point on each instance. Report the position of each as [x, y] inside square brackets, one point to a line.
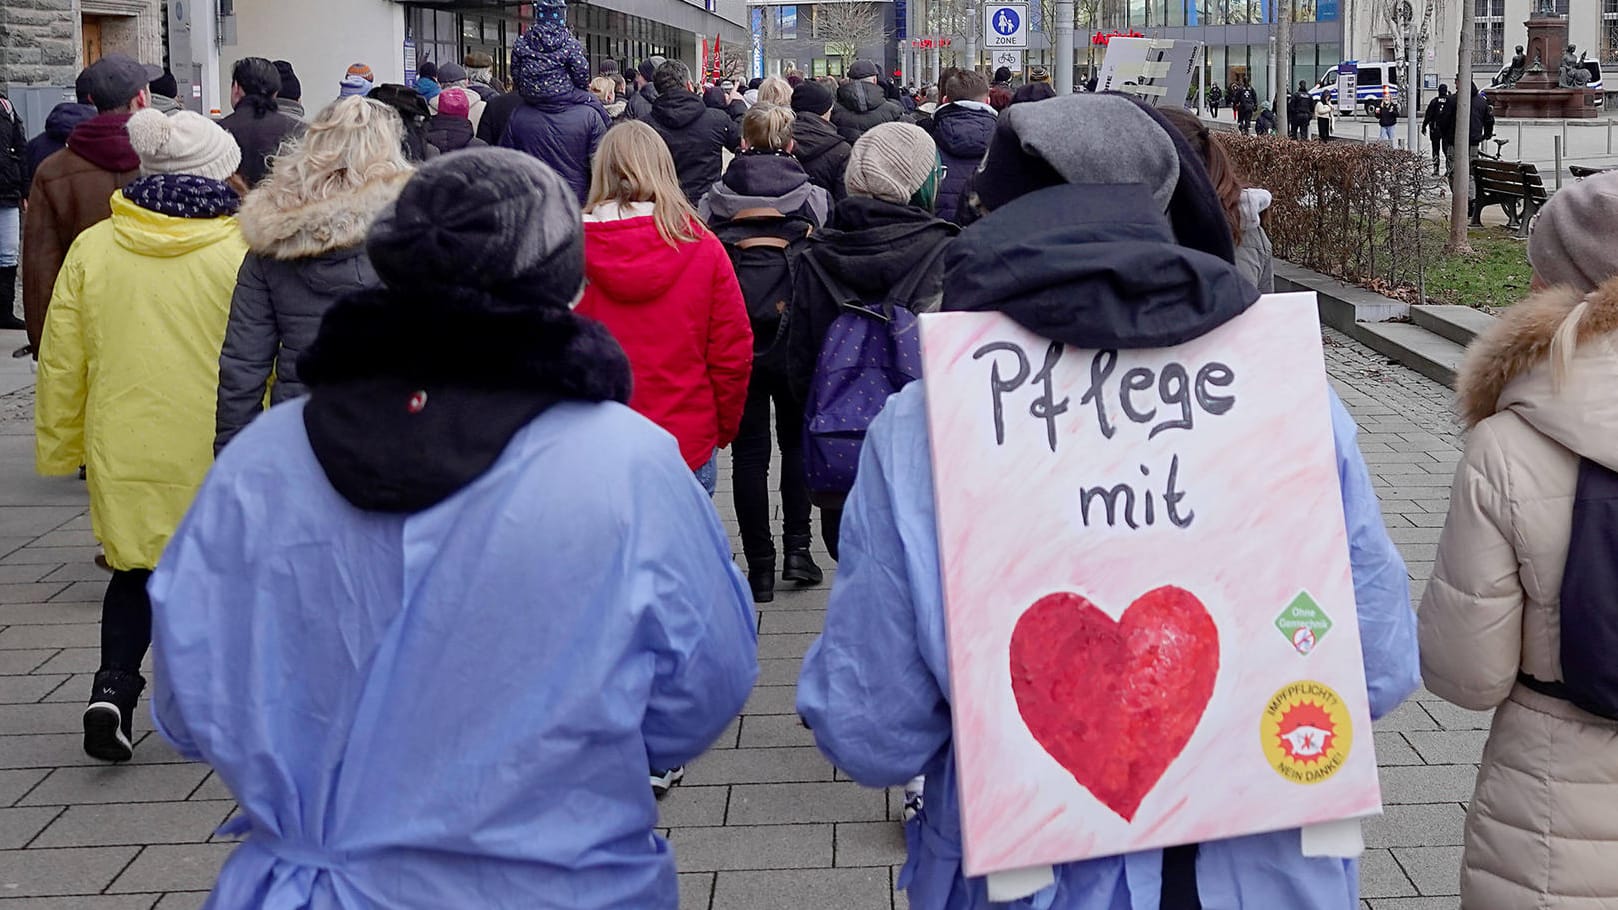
[761, 821]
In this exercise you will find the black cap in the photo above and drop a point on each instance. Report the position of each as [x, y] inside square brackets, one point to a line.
[427, 70]
[291, 88]
[1003, 74]
[165, 85]
[116, 79]
[863, 69]
[812, 98]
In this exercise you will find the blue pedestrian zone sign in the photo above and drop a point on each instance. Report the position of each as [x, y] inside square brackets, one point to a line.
[1005, 26]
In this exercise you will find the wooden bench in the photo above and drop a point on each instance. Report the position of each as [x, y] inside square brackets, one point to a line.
[1580, 172]
[1515, 186]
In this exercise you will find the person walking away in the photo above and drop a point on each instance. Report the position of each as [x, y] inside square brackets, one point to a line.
[1517, 617]
[961, 129]
[1062, 182]
[13, 166]
[821, 150]
[453, 416]
[606, 92]
[163, 91]
[71, 189]
[413, 112]
[289, 100]
[1038, 88]
[1430, 120]
[887, 248]
[764, 249]
[454, 76]
[450, 130]
[1243, 206]
[559, 121]
[861, 104]
[697, 136]
[778, 91]
[305, 230]
[640, 101]
[1325, 113]
[426, 84]
[480, 74]
[255, 120]
[1387, 117]
[664, 287]
[1300, 110]
[127, 376]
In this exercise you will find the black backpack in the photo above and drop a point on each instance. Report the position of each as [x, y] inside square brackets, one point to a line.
[765, 248]
[1590, 599]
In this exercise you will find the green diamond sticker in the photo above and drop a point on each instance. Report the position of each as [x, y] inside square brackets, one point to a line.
[1304, 623]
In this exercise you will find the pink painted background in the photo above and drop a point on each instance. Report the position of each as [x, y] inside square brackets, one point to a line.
[1262, 481]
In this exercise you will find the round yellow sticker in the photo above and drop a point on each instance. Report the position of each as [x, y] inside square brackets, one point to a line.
[1306, 732]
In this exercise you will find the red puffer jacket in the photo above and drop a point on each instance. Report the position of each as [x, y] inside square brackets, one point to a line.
[680, 317]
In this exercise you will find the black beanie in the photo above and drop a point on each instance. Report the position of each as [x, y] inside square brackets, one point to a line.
[291, 88]
[166, 85]
[812, 98]
[492, 229]
[428, 70]
[647, 69]
[1003, 74]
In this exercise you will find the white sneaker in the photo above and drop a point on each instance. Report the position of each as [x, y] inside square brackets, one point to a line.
[913, 796]
[664, 781]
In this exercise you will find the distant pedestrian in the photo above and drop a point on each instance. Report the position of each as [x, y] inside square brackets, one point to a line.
[1430, 125]
[640, 100]
[606, 92]
[164, 92]
[13, 173]
[862, 104]
[1244, 206]
[663, 285]
[305, 229]
[697, 135]
[1300, 110]
[776, 90]
[1038, 88]
[961, 129]
[385, 623]
[480, 74]
[1215, 96]
[255, 120]
[59, 124]
[764, 174]
[454, 76]
[128, 374]
[451, 128]
[427, 85]
[559, 121]
[1518, 617]
[1387, 118]
[1325, 113]
[290, 99]
[70, 191]
[1265, 124]
[1245, 101]
[413, 113]
[821, 150]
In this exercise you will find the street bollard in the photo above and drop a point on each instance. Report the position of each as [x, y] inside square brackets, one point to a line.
[1556, 142]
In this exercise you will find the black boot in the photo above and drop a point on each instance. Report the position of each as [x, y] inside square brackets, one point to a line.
[109, 718]
[799, 566]
[8, 301]
[761, 578]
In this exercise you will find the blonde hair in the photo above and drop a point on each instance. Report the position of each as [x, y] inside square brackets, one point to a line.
[1565, 344]
[604, 89]
[775, 90]
[768, 126]
[350, 143]
[633, 164]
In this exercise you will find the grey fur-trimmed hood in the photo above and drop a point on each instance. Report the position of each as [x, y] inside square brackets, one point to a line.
[316, 226]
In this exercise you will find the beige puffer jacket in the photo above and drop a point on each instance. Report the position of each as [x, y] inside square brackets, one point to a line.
[1542, 833]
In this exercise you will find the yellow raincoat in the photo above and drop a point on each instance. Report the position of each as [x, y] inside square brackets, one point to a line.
[129, 370]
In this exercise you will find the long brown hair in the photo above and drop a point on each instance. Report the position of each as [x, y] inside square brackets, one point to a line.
[633, 164]
[1221, 172]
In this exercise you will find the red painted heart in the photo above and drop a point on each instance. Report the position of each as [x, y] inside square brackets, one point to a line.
[1115, 702]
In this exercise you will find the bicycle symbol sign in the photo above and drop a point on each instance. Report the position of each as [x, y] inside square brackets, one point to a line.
[1005, 25]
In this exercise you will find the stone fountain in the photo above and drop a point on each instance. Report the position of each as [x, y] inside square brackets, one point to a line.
[1546, 80]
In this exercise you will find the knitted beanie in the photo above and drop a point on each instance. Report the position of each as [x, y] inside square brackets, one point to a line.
[483, 227]
[1571, 241]
[184, 142]
[354, 85]
[362, 71]
[291, 88]
[452, 102]
[891, 162]
[812, 98]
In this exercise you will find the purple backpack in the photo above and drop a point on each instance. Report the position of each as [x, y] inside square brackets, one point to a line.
[871, 351]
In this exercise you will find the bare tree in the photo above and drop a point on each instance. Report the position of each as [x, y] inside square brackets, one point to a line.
[1086, 22]
[1395, 16]
[847, 27]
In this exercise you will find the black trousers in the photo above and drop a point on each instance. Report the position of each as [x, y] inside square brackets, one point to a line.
[126, 621]
[751, 459]
[1299, 131]
[1323, 124]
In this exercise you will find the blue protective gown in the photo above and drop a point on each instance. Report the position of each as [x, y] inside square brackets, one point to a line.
[455, 708]
[875, 688]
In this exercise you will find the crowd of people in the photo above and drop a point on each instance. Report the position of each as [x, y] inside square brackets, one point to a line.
[424, 391]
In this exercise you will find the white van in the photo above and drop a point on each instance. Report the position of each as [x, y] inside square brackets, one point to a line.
[1374, 82]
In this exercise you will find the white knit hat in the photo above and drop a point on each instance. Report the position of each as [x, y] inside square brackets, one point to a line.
[184, 142]
[891, 162]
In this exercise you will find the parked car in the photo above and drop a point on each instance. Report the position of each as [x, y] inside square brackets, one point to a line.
[1374, 82]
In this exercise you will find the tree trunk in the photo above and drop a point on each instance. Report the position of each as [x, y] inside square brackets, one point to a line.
[1283, 61]
[1460, 180]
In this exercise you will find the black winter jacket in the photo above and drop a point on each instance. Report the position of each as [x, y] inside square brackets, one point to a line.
[640, 103]
[13, 164]
[697, 136]
[1481, 125]
[1300, 108]
[563, 132]
[497, 116]
[451, 134]
[875, 247]
[962, 131]
[822, 152]
[860, 106]
[260, 139]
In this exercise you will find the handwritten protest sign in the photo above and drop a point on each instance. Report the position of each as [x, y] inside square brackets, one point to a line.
[1151, 615]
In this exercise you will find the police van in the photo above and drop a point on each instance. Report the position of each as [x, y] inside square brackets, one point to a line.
[1374, 82]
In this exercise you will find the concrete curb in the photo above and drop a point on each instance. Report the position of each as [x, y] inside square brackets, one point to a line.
[1428, 339]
